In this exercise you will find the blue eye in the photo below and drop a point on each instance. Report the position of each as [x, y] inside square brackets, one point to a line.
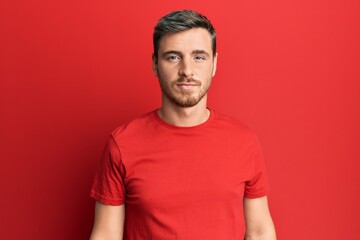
[172, 58]
[199, 58]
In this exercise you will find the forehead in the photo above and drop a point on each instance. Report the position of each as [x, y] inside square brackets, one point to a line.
[188, 40]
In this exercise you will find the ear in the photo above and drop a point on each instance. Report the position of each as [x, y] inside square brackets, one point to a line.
[215, 64]
[154, 65]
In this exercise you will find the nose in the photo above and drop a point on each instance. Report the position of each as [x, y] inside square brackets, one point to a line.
[186, 68]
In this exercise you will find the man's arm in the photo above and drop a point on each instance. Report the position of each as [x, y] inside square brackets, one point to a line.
[259, 225]
[108, 223]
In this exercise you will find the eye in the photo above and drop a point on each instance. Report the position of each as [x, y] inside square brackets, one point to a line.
[172, 58]
[199, 58]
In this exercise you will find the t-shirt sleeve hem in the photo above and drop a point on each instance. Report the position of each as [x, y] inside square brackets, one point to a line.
[105, 200]
[256, 195]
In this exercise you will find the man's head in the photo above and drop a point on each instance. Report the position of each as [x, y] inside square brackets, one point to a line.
[184, 57]
[179, 21]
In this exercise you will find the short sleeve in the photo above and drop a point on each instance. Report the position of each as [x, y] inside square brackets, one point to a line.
[257, 185]
[108, 186]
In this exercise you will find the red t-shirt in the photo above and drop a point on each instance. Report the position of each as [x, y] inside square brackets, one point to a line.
[181, 183]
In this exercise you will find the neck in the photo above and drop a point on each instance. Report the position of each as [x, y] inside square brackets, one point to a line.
[184, 117]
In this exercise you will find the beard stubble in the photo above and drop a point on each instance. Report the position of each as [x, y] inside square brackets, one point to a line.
[183, 98]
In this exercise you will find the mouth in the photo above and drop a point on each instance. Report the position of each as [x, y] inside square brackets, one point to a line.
[186, 86]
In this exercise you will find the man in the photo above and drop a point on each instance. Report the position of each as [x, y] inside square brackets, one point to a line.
[183, 171]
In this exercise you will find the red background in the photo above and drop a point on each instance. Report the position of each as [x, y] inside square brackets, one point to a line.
[71, 71]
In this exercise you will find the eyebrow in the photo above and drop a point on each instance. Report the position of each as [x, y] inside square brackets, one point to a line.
[171, 52]
[198, 51]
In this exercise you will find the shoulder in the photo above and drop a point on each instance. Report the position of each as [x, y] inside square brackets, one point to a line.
[232, 124]
[134, 127]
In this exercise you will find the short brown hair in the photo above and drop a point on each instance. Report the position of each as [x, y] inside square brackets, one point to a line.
[179, 21]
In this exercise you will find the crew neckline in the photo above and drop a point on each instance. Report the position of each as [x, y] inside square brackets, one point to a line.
[168, 125]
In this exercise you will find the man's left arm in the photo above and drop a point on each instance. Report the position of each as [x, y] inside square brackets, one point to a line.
[259, 225]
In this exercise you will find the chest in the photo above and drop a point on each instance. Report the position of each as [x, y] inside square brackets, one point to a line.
[181, 174]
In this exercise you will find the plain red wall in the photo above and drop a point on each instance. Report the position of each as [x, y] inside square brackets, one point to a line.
[71, 71]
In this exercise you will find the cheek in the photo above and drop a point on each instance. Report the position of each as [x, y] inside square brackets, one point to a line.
[207, 71]
[164, 68]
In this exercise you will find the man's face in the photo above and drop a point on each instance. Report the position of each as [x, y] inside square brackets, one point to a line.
[185, 66]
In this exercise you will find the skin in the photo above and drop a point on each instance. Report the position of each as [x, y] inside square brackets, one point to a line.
[259, 225]
[108, 223]
[185, 66]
